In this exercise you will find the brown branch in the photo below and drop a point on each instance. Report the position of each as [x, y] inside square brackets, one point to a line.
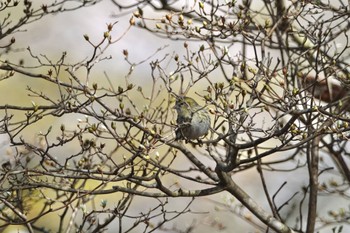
[313, 184]
[249, 203]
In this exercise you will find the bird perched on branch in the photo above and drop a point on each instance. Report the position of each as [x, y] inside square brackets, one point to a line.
[193, 120]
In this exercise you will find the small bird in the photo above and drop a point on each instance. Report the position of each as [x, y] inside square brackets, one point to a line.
[192, 119]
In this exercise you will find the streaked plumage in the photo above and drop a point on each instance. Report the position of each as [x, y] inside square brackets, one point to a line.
[192, 119]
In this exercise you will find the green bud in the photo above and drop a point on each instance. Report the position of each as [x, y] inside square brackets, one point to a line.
[201, 5]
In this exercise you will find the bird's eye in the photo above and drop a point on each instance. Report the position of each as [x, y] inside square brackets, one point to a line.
[180, 103]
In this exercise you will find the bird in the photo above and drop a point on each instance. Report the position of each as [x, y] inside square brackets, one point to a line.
[193, 120]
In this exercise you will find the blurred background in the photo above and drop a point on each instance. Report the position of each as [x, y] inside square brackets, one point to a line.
[64, 32]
